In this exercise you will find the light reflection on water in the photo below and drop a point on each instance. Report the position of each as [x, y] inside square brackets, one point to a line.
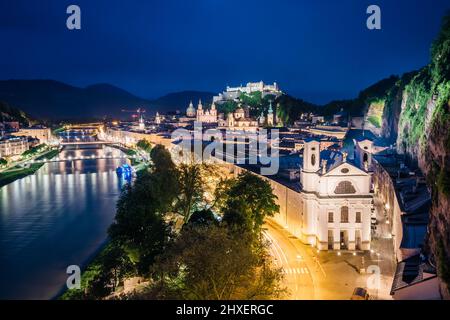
[53, 219]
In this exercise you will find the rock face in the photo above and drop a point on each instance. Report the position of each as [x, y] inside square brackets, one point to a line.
[424, 136]
[435, 162]
[394, 104]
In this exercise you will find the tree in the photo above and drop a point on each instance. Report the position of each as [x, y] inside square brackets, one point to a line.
[139, 225]
[246, 201]
[3, 162]
[191, 183]
[144, 145]
[202, 217]
[214, 263]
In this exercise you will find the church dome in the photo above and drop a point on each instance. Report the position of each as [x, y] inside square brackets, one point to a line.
[190, 111]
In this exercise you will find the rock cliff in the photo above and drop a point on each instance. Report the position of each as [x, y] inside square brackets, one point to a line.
[424, 136]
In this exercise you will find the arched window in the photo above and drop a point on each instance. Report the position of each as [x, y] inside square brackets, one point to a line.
[313, 159]
[344, 187]
[365, 157]
[344, 214]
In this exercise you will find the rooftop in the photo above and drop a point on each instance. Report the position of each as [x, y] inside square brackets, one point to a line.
[412, 271]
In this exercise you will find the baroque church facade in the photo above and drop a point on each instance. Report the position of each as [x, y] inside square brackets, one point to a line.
[336, 199]
[202, 115]
[239, 120]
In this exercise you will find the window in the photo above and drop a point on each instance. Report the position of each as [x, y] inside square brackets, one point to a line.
[344, 214]
[365, 157]
[344, 187]
[358, 217]
[313, 159]
[330, 217]
[345, 170]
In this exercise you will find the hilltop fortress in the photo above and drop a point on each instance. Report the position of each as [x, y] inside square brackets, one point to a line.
[233, 93]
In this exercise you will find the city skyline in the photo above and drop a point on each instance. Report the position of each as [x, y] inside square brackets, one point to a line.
[169, 47]
[219, 150]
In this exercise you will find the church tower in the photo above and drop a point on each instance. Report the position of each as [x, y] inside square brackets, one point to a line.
[363, 153]
[311, 164]
[213, 111]
[199, 110]
[158, 118]
[261, 119]
[270, 115]
[230, 120]
[141, 123]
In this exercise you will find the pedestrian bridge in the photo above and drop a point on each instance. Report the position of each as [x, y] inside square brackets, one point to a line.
[92, 157]
[68, 143]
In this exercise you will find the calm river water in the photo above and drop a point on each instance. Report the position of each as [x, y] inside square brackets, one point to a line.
[55, 218]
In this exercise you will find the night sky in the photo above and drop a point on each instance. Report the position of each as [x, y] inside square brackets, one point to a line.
[316, 50]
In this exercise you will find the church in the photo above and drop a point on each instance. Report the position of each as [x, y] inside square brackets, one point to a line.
[239, 120]
[336, 198]
[205, 116]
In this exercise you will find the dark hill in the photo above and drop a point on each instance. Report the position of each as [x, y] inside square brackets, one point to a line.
[180, 100]
[49, 99]
[54, 100]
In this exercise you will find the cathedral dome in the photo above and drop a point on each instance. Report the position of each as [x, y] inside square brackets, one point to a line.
[190, 111]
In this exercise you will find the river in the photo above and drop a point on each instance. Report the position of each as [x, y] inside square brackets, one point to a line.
[55, 218]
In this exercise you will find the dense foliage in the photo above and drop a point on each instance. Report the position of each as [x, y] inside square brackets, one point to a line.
[34, 150]
[3, 162]
[246, 201]
[144, 145]
[211, 262]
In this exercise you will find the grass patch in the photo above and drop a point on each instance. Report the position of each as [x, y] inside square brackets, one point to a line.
[15, 173]
[18, 172]
[376, 121]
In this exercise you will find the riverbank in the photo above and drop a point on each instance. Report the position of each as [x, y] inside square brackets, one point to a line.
[19, 172]
[89, 268]
[131, 155]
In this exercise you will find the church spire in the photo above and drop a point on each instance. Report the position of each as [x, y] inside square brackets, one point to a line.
[270, 107]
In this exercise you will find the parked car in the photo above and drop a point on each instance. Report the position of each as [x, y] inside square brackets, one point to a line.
[360, 294]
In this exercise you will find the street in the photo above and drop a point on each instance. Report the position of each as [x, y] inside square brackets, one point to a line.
[325, 275]
[291, 257]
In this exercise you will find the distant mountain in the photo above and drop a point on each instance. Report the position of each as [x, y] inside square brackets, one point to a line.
[54, 100]
[49, 99]
[180, 100]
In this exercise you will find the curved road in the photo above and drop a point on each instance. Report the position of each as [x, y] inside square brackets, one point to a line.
[289, 254]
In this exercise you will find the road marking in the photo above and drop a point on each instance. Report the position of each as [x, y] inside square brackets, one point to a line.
[295, 271]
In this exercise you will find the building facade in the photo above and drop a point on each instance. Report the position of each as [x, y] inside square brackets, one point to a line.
[13, 146]
[337, 201]
[238, 121]
[43, 134]
[206, 116]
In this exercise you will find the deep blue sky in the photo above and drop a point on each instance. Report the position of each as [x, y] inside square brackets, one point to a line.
[316, 50]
